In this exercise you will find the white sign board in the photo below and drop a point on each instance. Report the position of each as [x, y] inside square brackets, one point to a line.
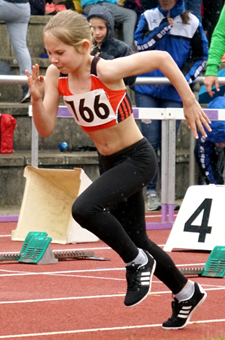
[200, 223]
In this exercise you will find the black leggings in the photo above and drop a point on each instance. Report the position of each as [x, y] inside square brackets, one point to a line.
[113, 209]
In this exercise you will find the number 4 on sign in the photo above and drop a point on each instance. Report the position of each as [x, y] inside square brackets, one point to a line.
[200, 223]
[202, 229]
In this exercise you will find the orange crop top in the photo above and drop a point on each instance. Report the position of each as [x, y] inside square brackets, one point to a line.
[98, 109]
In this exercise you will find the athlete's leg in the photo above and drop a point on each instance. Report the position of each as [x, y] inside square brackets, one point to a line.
[131, 215]
[128, 176]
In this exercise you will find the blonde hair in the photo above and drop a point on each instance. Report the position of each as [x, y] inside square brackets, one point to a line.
[69, 27]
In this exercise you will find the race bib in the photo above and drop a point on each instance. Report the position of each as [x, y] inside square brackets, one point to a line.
[90, 108]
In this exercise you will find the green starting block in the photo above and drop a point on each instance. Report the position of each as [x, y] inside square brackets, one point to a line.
[214, 266]
[37, 249]
[29, 236]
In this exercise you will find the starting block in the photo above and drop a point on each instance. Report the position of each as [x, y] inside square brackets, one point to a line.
[214, 267]
[37, 249]
[46, 206]
[200, 221]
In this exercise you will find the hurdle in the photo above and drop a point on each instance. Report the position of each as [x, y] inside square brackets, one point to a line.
[168, 116]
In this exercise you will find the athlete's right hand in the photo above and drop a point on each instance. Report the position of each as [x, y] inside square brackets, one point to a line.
[36, 83]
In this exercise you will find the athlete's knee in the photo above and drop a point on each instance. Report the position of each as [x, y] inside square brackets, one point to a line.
[80, 211]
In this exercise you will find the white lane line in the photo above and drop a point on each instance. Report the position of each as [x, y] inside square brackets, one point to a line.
[67, 249]
[212, 285]
[99, 269]
[91, 297]
[92, 277]
[19, 273]
[62, 299]
[100, 329]
[16, 273]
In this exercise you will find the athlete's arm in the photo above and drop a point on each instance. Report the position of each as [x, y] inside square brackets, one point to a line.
[44, 111]
[139, 63]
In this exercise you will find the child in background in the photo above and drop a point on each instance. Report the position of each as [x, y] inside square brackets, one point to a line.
[122, 16]
[105, 45]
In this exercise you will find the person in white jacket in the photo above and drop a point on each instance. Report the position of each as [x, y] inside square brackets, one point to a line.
[168, 27]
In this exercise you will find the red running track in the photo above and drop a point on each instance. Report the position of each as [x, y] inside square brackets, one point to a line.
[83, 299]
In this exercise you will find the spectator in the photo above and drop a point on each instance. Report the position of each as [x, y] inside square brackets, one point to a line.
[126, 17]
[180, 34]
[105, 45]
[216, 52]
[210, 151]
[16, 16]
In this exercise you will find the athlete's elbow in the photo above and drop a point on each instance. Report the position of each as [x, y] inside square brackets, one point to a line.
[44, 134]
[44, 131]
[165, 56]
[165, 61]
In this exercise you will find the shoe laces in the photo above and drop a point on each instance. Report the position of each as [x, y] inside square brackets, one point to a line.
[176, 306]
[133, 277]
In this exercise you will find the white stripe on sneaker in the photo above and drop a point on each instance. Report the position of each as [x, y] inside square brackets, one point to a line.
[145, 279]
[184, 312]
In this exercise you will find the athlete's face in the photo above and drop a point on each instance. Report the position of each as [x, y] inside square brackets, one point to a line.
[100, 29]
[167, 4]
[65, 57]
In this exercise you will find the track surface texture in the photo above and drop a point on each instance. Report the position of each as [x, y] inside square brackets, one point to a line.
[83, 299]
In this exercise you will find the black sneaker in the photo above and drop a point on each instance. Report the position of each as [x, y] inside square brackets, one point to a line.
[183, 310]
[139, 279]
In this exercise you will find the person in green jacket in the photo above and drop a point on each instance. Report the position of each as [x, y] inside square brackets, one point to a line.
[216, 52]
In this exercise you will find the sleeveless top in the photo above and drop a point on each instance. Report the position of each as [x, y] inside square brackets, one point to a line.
[99, 108]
